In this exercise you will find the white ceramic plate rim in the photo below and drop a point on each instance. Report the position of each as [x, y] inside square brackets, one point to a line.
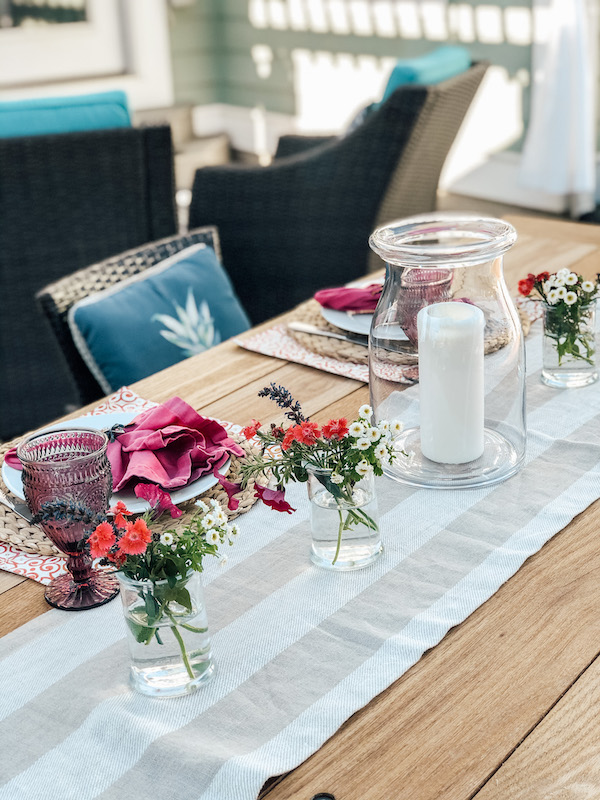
[355, 323]
[12, 477]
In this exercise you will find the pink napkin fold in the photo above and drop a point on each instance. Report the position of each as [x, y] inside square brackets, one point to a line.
[350, 298]
[170, 445]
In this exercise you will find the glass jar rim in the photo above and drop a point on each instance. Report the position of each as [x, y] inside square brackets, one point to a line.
[398, 242]
[30, 458]
[148, 582]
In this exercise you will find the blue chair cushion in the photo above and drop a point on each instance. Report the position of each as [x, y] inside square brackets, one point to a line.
[434, 67]
[45, 115]
[181, 306]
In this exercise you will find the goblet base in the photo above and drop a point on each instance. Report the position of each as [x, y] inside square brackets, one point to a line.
[67, 594]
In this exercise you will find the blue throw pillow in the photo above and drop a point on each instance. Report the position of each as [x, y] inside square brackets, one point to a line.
[182, 306]
[45, 115]
[434, 67]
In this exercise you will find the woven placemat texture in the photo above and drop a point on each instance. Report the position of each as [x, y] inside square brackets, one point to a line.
[496, 336]
[19, 533]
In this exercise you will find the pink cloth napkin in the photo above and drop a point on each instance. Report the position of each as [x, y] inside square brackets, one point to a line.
[350, 298]
[170, 445]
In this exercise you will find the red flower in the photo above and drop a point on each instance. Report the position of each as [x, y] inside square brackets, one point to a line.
[308, 433]
[335, 428]
[526, 286]
[101, 540]
[135, 539]
[158, 498]
[250, 430]
[231, 488]
[543, 276]
[290, 436]
[120, 511]
[274, 498]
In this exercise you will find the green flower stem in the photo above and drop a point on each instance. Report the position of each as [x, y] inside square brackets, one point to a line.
[184, 654]
[192, 628]
[339, 540]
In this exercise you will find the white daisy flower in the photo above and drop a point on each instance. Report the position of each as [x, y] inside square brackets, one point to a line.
[547, 286]
[365, 412]
[588, 286]
[201, 505]
[166, 539]
[570, 298]
[209, 521]
[362, 444]
[212, 536]
[232, 531]
[374, 434]
[381, 452]
[552, 297]
[559, 280]
[562, 273]
[397, 426]
[356, 429]
[363, 467]
[216, 506]
[223, 560]
[222, 517]
[571, 279]
[336, 477]
[561, 292]
[384, 425]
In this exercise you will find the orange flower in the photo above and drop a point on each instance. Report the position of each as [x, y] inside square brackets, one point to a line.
[120, 511]
[290, 437]
[308, 433]
[250, 430]
[335, 428]
[101, 540]
[135, 539]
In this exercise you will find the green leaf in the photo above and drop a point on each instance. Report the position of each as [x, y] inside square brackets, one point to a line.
[182, 597]
[152, 607]
[142, 633]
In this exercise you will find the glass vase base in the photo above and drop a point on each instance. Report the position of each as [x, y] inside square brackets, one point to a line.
[499, 461]
[69, 595]
[350, 557]
[170, 679]
[569, 378]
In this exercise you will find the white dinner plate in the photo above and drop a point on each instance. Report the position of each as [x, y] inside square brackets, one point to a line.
[355, 323]
[102, 422]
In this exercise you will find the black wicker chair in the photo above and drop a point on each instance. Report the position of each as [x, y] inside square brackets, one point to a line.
[68, 200]
[303, 222]
[57, 298]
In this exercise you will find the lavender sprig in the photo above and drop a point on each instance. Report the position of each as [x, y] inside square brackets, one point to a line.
[284, 399]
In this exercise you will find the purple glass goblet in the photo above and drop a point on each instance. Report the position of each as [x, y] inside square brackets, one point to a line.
[68, 471]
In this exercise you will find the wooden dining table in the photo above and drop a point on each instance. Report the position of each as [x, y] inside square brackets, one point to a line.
[504, 707]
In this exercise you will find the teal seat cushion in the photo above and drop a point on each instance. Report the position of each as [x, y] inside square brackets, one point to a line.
[434, 67]
[45, 115]
[181, 306]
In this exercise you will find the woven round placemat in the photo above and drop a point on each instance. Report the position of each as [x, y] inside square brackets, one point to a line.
[496, 336]
[19, 533]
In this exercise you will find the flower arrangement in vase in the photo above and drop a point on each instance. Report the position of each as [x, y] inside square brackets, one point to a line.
[338, 461]
[161, 592]
[569, 309]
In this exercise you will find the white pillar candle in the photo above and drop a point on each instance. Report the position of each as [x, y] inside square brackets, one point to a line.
[451, 393]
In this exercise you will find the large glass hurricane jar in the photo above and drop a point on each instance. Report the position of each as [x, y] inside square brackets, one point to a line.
[446, 353]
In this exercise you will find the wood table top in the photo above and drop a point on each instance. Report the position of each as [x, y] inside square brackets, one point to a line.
[504, 706]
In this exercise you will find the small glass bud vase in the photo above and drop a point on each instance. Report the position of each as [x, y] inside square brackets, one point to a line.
[167, 634]
[344, 521]
[569, 346]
